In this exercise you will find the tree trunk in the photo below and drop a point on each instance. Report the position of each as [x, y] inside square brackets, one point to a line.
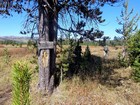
[124, 50]
[47, 47]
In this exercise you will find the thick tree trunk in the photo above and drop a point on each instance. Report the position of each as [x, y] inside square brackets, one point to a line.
[47, 47]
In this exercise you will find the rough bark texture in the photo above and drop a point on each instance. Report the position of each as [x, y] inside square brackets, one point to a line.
[47, 56]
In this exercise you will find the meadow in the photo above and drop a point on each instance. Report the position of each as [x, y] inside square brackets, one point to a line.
[113, 87]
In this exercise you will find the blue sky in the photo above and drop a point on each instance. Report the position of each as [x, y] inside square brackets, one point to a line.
[110, 14]
[11, 26]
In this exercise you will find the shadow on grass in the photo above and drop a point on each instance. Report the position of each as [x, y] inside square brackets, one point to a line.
[99, 69]
[108, 76]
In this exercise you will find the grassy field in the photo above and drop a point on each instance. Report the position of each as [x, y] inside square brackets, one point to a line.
[113, 87]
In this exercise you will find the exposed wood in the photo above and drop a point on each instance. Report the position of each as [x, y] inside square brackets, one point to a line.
[46, 45]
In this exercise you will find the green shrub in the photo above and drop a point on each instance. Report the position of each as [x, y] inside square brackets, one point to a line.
[64, 63]
[20, 83]
[74, 66]
[64, 58]
[134, 47]
[136, 68]
[134, 54]
[70, 59]
[87, 53]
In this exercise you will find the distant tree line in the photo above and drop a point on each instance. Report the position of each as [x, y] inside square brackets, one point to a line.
[117, 41]
[11, 42]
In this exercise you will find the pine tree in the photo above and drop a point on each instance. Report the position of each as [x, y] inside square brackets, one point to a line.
[87, 54]
[134, 54]
[21, 84]
[128, 23]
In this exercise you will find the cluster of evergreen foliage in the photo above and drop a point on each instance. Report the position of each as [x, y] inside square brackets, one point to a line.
[72, 61]
[134, 54]
[20, 81]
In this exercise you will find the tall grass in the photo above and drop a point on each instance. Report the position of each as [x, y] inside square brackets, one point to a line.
[6, 56]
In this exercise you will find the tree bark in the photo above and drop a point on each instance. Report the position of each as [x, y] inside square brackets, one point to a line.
[47, 55]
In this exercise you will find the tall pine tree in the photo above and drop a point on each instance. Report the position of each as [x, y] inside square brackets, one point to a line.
[128, 23]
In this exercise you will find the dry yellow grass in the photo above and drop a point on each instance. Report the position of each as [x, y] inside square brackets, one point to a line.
[98, 51]
[116, 89]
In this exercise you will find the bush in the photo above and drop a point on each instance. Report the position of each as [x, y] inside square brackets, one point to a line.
[74, 66]
[69, 59]
[134, 54]
[134, 47]
[65, 58]
[87, 54]
[136, 68]
[20, 82]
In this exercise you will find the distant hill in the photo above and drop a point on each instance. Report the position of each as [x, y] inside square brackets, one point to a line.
[15, 38]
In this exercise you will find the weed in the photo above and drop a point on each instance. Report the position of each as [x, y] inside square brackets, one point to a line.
[6, 56]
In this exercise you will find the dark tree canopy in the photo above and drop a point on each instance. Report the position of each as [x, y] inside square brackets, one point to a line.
[77, 16]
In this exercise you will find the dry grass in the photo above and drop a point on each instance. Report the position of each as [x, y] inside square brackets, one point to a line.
[98, 51]
[113, 88]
